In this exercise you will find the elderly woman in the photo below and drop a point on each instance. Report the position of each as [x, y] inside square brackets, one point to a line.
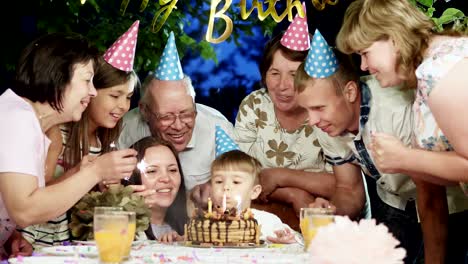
[271, 127]
[53, 85]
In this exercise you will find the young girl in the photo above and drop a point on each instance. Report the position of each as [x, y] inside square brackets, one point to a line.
[89, 137]
[101, 123]
[161, 175]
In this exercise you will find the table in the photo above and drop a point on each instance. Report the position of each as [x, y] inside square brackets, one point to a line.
[152, 252]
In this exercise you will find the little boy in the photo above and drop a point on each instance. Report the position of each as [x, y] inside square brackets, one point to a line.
[235, 174]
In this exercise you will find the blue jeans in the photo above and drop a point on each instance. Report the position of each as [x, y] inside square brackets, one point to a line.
[403, 224]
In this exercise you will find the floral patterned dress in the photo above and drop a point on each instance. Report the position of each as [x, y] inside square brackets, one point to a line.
[442, 56]
[259, 133]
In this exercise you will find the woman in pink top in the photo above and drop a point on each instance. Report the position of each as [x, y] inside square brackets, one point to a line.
[397, 44]
[53, 85]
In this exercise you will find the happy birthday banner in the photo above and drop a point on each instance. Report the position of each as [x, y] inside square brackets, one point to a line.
[217, 11]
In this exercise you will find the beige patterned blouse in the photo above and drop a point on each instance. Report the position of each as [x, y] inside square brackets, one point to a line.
[258, 133]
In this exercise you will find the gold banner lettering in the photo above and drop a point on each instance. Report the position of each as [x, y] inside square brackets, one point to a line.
[168, 5]
[168, 8]
[320, 4]
[213, 15]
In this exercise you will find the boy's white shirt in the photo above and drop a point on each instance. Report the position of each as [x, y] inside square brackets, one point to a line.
[269, 223]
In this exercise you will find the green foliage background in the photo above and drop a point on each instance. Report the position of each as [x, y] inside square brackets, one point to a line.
[103, 22]
[82, 213]
[95, 17]
[451, 18]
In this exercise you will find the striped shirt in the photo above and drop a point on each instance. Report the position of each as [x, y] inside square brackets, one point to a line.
[56, 231]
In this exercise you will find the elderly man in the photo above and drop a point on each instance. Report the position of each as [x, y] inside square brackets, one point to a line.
[167, 109]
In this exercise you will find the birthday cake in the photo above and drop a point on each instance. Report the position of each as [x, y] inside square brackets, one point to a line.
[222, 229]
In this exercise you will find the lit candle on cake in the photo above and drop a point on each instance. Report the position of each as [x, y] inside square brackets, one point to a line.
[224, 202]
[239, 201]
[210, 205]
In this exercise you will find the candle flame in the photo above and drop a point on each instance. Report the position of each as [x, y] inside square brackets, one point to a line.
[224, 202]
[239, 201]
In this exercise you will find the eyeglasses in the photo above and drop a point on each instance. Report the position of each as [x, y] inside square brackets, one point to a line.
[186, 117]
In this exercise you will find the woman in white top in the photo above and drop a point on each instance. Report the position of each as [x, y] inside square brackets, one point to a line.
[92, 135]
[53, 85]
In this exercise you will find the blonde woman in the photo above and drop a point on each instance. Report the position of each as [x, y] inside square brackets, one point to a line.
[397, 45]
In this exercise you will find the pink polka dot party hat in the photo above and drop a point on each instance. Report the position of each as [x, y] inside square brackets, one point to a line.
[296, 36]
[122, 53]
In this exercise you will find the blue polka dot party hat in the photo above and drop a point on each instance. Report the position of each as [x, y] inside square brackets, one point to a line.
[224, 142]
[169, 68]
[321, 61]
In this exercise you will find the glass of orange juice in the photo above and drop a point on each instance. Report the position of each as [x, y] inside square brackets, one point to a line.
[104, 209]
[130, 233]
[109, 228]
[311, 219]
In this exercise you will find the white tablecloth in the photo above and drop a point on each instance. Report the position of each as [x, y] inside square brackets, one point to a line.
[152, 252]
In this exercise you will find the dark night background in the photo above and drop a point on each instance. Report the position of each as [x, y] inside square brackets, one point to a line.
[221, 85]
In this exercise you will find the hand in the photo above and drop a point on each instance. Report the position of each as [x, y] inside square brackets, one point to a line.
[85, 162]
[113, 165]
[104, 185]
[283, 236]
[19, 246]
[199, 195]
[269, 179]
[387, 152]
[322, 203]
[170, 237]
[299, 199]
[147, 194]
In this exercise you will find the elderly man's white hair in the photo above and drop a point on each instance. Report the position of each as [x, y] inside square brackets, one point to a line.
[143, 89]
